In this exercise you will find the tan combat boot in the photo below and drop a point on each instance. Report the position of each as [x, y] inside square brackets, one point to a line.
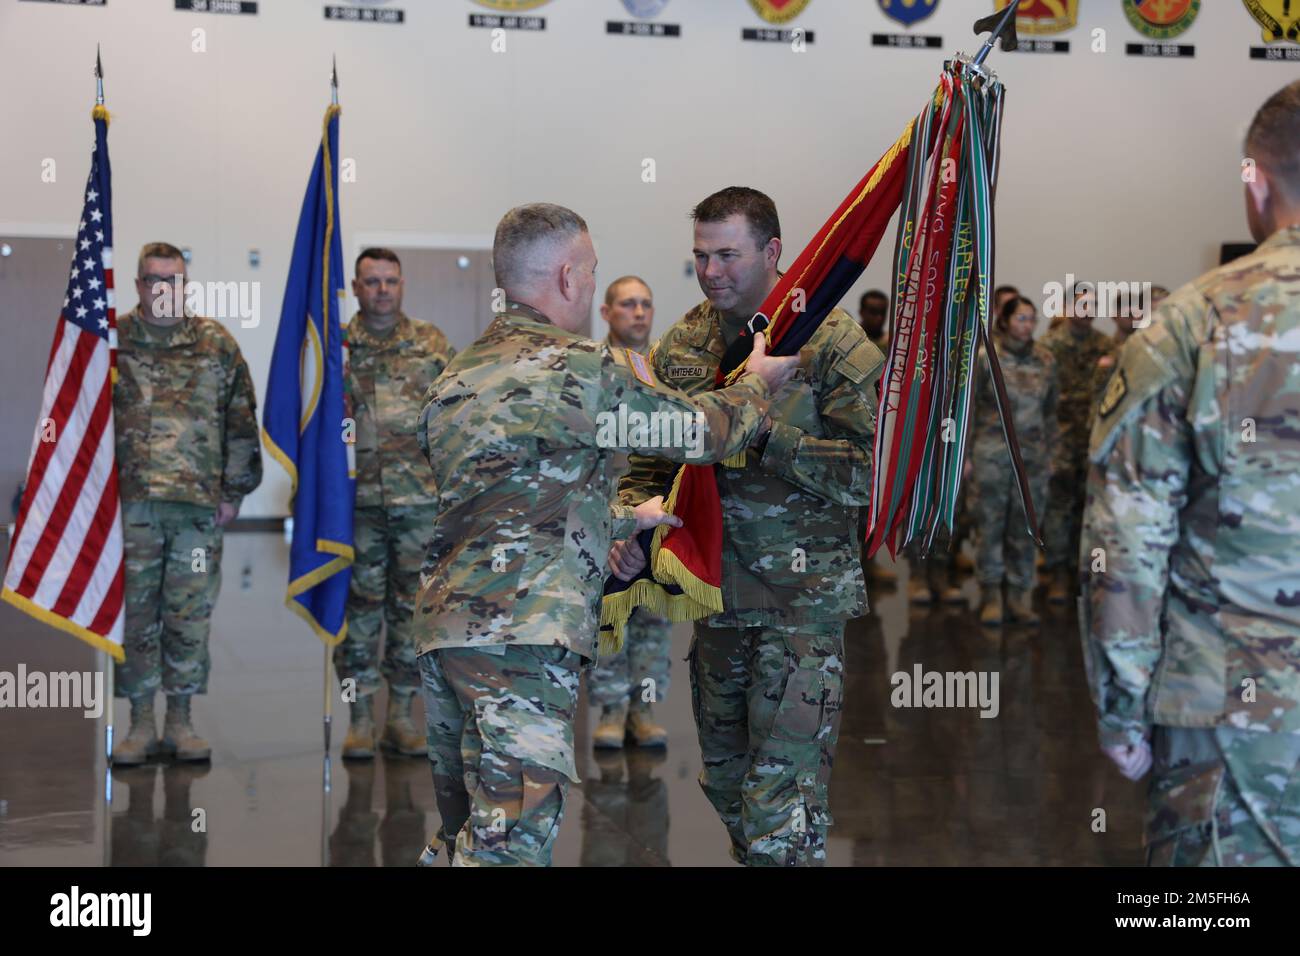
[359, 744]
[1020, 606]
[962, 563]
[877, 573]
[918, 591]
[611, 728]
[142, 742]
[1059, 591]
[400, 733]
[990, 605]
[179, 739]
[640, 724]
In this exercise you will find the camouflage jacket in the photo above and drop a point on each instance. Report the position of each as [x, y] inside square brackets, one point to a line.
[1029, 372]
[1194, 499]
[387, 378]
[185, 414]
[1077, 358]
[522, 430]
[1106, 365]
[790, 550]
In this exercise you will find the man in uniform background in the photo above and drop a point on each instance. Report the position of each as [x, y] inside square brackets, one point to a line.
[524, 461]
[187, 453]
[392, 361]
[617, 684]
[1192, 625]
[767, 673]
[1079, 350]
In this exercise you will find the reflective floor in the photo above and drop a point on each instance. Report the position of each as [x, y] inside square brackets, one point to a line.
[911, 786]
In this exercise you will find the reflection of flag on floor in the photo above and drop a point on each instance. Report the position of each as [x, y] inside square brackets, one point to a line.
[65, 563]
[303, 420]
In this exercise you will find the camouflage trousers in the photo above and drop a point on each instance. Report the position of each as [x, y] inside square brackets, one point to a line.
[501, 745]
[618, 677]
[1063, 520]
[173, 576]
[767, 704]
[1004, 548]
[1223, 797]
[390, 545]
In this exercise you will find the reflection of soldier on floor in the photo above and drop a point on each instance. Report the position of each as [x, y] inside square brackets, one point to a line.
[179, 837]
[402, 828]
[624, 821]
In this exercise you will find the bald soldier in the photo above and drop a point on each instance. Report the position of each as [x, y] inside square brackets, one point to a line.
[627, 685]
[1191, 543]
[767, 674]
[517, 432]
[392, 361]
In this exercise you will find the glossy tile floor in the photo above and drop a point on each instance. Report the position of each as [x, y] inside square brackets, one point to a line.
[912, 786]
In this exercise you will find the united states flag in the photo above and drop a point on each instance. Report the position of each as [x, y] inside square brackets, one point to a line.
[65, 564]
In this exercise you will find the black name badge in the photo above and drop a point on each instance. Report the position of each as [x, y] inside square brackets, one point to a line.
[495, 21]
[773, 35]
[1042, 46]
[1281, 54]
[906, 41]
[1169, 51]
[234, 7]
[635, 28]
[363, 14]
[74, 3]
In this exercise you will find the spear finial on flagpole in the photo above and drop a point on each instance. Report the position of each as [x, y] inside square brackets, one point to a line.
[99, 78]
[334, 80]
[1005, 27]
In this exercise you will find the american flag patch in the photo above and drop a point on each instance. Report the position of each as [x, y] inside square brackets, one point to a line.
[636, 361]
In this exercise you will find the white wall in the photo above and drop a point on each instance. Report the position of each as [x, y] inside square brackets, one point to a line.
[1114, 167]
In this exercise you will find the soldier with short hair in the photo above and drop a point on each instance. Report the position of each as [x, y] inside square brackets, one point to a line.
[767, 674]
[517, 432]
[627, 685]
[188, 452]
[392, 361]
[1191, 604]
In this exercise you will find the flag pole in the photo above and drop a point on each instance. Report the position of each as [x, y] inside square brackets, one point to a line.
[329, 676]
[984, 23]
[106, 661]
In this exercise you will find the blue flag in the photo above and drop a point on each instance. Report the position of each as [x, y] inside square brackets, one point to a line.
[303, 423]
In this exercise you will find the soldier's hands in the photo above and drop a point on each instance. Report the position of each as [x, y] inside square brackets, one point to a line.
[774, 371]
[626, 559]
[650, 514]
[1133, 762]
[226, 513]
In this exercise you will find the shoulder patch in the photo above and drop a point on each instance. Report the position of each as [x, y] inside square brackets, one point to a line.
[1116, 389]
[861, 360]
[640, 367]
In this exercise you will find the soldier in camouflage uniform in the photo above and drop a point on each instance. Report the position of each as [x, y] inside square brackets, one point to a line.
[1006, 550]
[516, 430]
[1192, 624]
[627, 684]
[187, 453]
[392, 361]
[767, 673]
[873, 315]
[1079, 350]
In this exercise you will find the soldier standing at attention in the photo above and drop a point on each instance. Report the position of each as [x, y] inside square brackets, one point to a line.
[187, 453]
[1078, 349]
[767, 673]
[392, 361]
[1192, 628]
[615, 684]
[1006, 550]
[516, 430]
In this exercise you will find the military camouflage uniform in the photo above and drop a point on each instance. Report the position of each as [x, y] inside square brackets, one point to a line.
[1193, 626]
[618, 677]
[186, 421]
[509, 609]
[1106, 365]
[767, 673]
[1077, 359]
[388, 375]
[1005, 548]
